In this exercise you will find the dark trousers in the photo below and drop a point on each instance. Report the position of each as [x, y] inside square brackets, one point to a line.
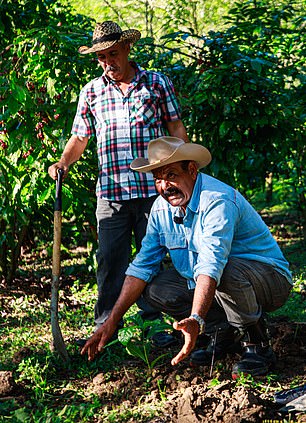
[247, 288]
[117, 223]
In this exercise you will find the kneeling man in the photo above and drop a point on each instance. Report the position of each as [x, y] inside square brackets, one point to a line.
[227, 268]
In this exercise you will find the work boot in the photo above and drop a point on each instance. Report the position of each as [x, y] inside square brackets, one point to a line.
[225, 341]
[257, 357]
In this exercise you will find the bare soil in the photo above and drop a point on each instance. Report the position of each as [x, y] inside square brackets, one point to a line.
[191, 395]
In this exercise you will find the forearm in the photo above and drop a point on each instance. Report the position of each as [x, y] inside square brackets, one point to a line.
[130, 292]
[177, 129]
[203, 295]
[73, 150]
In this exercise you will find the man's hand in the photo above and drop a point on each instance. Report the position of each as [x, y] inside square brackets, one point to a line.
[53, 169]
[190, 330]
[73, 151]
[98, 340]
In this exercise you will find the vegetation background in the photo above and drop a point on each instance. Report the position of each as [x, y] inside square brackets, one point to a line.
[239, 73]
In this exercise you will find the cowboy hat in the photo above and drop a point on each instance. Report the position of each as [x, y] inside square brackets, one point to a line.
[165, 150]
[108, 33]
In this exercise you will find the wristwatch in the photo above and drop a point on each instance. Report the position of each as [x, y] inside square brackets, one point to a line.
[200, 321]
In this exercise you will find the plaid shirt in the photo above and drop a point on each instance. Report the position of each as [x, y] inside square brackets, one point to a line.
[124, 124]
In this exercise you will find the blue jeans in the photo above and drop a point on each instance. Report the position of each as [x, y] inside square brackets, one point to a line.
[117, 222]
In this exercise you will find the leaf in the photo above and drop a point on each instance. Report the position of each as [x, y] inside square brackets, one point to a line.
[256, 65]
[126, 334]
[21, 415]
[46, 194]
[157, 326]
[136, 351]
[63, 411]
[50, 87]
[224, 128]
[13, 105]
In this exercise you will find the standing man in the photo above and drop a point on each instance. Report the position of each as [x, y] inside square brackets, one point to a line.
[124, 108]
[228, 269]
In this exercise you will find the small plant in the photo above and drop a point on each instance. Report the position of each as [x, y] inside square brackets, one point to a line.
[137, 338]
[33, 374]
[214, 382]
[246, 380]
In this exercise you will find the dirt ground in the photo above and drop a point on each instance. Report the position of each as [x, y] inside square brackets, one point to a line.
[192, 396]
[200, 394]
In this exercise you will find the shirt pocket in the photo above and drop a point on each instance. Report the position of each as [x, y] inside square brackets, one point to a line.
[145, 106]
[173, 241]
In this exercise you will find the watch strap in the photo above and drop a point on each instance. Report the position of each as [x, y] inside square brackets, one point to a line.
[200, 321]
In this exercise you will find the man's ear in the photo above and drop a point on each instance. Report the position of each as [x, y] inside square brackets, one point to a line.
[193, 169]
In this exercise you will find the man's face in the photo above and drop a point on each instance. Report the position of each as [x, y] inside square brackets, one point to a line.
[114, 61]
[176, 184]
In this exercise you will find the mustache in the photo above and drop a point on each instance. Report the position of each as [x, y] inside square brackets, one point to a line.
[171, 191]
[110, 68]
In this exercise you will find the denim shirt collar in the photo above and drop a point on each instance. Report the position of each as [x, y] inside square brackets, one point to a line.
[194, 203]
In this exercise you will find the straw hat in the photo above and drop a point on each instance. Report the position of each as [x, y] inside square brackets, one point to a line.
[165, 150]
[108, 33]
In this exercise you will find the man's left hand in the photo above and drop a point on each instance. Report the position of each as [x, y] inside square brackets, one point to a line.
[190, 330]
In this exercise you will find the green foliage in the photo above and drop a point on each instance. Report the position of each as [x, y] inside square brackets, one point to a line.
[41, 75]
[241, 91]
[156, 17]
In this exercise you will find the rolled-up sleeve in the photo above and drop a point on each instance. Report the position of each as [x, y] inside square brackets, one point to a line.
[84, 122]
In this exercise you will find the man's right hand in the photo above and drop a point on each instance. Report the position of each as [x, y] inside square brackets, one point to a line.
[98, 340]
[55, 167]
[190, 329]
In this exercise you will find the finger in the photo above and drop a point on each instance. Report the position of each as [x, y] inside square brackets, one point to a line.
[51, 172]
[91, 352]
[65, 169]
[101, 345]
[179, 357]
[90, 347]
[181, 324]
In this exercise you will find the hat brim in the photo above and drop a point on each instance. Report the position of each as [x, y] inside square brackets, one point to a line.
[131, 35]
[187, 151]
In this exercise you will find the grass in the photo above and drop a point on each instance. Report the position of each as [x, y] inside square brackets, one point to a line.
[51, 391]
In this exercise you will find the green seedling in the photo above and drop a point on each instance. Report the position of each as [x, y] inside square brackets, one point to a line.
[137, 338]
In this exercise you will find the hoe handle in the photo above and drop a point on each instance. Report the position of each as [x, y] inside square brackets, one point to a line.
[58, 343]
[57, 224]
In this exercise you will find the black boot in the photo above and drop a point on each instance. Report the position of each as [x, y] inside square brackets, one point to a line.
[224, 341]
[257, 358]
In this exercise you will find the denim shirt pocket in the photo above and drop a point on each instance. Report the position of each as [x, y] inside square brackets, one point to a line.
[173, 241]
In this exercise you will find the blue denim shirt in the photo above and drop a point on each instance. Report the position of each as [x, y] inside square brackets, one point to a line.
[219, 223]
